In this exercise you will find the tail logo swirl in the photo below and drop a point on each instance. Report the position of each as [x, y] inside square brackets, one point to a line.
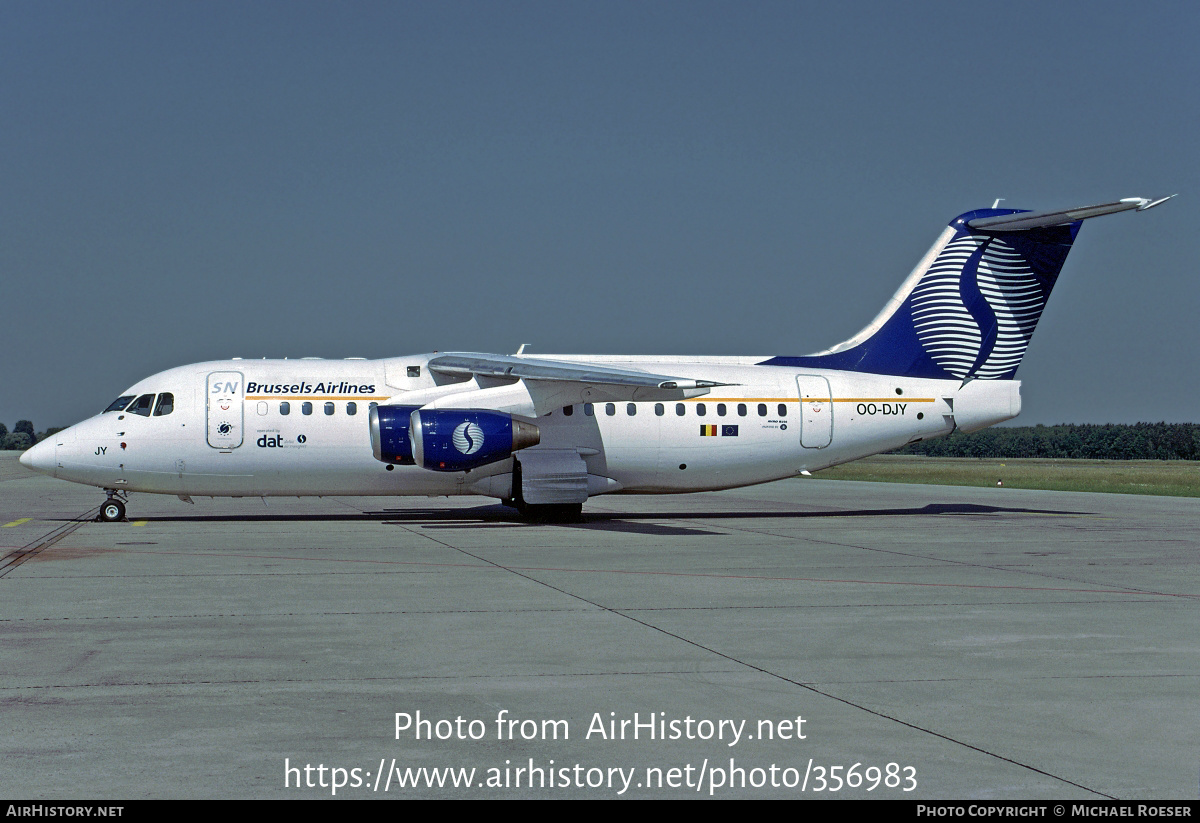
[468, 438]
[975, 310]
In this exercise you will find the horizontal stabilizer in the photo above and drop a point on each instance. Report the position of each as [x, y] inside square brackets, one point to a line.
[1023, 221]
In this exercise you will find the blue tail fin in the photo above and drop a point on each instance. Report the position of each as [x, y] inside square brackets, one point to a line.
[969, 308]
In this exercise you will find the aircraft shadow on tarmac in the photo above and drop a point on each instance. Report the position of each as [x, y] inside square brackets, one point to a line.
[496, 516]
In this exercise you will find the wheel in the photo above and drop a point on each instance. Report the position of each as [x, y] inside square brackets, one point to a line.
[541, 512]
[112, 510]
[553, 513]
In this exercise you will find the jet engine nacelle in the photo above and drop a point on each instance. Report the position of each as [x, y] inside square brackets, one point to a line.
[452, 440]
[389, 434]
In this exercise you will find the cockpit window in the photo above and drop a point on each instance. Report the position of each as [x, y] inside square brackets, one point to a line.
[166, 404]
[142, 405]
[120, 403]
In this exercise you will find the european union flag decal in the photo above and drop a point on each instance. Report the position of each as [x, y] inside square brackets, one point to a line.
[729, 431]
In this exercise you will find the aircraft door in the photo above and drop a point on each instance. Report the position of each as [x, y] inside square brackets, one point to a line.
[226, 391]
[816, 411]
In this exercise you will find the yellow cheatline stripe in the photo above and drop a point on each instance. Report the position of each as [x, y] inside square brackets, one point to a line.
[701, 399]
[139, 522]
[16, 523]
[316, 397]
[900, 399]
[877, 400]
[707, 399]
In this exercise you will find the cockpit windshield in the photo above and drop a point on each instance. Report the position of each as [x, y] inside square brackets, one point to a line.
[142, 405]
[120, 403]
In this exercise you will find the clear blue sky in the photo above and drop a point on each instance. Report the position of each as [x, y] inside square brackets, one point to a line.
[182, 182]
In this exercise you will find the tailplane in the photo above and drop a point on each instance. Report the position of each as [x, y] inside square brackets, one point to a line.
[969, 308]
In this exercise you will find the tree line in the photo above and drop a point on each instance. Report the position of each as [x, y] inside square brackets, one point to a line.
[22, 436]
[1110, 441]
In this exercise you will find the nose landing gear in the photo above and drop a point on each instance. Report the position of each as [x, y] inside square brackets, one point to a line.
[113, 508]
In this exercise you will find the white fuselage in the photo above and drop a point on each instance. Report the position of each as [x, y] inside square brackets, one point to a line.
[227, 434]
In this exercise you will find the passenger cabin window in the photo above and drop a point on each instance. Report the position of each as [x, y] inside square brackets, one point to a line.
[610, 409]
[262, 407]
[680, 409]
[720, 410]
[142, 405]
[306, 408]
[568, 410]
[285, 408]
[631, 409]
[701, 409]
[351, 409]
[659, 409]
[589, 409]
[328, 408]
[762, 409]
[782, 410]
[165, 405]
[741, 409]
[120, 403]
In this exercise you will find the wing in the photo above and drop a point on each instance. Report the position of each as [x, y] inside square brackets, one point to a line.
[528, 368]
[534, 386]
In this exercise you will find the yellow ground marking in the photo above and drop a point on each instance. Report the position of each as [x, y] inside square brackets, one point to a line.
[16, 523]
[140, 522]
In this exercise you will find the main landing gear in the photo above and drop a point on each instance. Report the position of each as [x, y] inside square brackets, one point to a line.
[113, 508]
[548, 512]
[543, 512]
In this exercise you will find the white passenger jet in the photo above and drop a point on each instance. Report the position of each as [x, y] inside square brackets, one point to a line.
[544, 433]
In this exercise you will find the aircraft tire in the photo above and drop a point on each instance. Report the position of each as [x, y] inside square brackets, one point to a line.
[557, 513]
[540, 513]
[112, 510]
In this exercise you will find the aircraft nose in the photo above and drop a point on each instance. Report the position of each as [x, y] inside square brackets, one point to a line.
[40, 458]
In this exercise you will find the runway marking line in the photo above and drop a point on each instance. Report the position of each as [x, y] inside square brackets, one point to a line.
[18, 556]
[16, 523]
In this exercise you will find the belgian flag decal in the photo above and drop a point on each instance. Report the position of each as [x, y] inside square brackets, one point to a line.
[708, 431]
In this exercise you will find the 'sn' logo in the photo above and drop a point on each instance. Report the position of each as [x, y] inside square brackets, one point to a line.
[225, 409]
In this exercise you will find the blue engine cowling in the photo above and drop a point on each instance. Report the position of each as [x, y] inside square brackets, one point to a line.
[452, 440]
[389, 434]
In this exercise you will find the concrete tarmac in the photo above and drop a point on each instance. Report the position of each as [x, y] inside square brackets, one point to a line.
[937, 642]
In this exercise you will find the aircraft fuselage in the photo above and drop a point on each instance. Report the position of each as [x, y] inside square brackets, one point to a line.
[300, 427]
